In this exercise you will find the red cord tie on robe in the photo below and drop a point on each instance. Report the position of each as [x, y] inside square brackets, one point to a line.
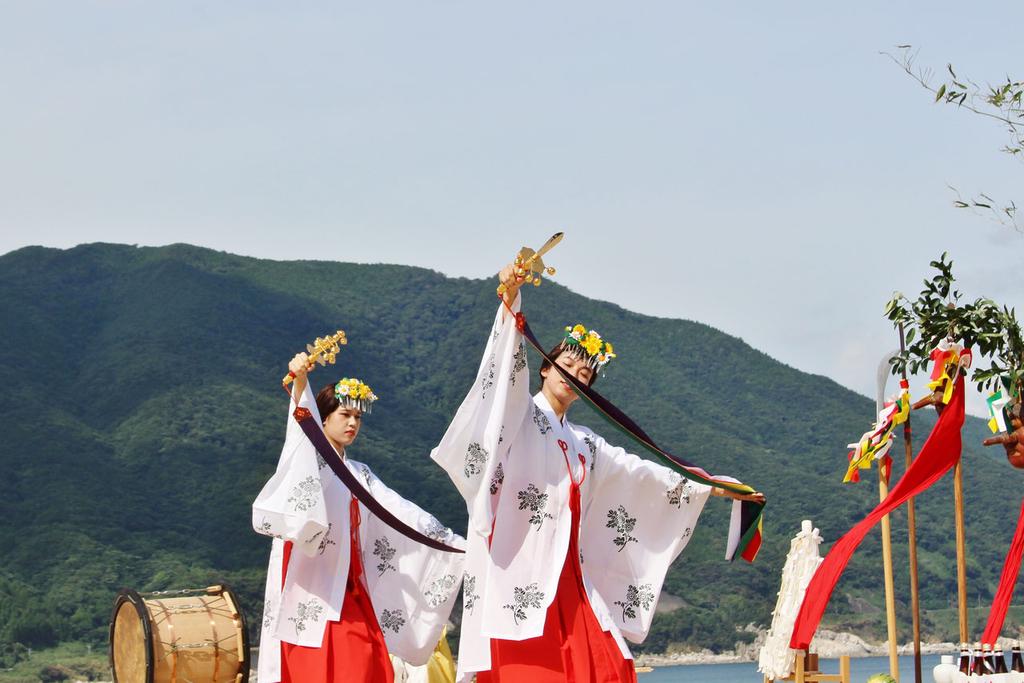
[520, 322]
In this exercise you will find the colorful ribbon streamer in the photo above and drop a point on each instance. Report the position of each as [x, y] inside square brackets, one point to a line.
[876, 442]
[947, 359]
[997, 402]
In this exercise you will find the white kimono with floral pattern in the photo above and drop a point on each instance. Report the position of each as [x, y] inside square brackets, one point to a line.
[504, 452]
[412, 587]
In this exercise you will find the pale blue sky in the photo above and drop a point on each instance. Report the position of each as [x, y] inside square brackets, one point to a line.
[756, 166]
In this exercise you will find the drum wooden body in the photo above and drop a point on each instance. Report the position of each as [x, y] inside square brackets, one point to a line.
[187, 636]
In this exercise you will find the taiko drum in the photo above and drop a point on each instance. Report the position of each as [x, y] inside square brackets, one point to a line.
[192, 635]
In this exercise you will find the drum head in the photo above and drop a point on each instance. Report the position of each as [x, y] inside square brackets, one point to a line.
[131, 655]
[194, 635]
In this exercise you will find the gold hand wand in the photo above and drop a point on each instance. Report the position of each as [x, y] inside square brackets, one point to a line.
[529, 264]
[323, 351]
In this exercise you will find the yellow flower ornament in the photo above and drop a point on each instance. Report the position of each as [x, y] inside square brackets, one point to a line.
[353, 393]
[588, 345]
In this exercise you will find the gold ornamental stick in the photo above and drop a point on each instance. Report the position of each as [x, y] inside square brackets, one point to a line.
[323, 351]
[529, 264]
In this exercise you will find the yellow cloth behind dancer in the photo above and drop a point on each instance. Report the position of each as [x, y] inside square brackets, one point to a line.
[439, 669]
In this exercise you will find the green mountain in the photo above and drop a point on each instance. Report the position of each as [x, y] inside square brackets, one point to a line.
[142, 412]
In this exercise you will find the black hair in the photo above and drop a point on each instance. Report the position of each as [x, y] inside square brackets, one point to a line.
[326, 401]
[554, 353]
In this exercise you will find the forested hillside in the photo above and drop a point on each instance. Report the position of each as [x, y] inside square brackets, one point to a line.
[142, 411]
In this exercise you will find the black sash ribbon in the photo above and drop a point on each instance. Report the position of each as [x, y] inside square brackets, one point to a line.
[750, 511]
[319, 440]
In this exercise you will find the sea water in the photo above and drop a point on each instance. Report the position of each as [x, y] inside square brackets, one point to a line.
[861, 668]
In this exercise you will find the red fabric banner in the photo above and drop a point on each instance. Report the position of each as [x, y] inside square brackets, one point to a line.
[1007, 582]
[939, 453]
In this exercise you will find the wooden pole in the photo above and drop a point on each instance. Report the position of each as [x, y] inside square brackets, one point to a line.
[890, 591]
[961, 548]
[883, 492]
[844, 669]
[915, 602]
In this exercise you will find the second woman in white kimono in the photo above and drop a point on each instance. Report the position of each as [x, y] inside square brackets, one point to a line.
[343, 588]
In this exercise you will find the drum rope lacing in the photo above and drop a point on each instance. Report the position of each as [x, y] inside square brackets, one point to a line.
[180, 591]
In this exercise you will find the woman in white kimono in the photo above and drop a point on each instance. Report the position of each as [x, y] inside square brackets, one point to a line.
[343, 587]
[569, 537]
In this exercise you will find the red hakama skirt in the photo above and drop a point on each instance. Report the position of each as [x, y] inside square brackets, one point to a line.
[573, 646]
[353, 650]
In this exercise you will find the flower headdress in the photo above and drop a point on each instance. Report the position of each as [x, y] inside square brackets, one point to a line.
[353, 393]
[588, 345]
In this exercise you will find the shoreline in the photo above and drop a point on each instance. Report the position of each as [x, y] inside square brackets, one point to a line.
[826, 644]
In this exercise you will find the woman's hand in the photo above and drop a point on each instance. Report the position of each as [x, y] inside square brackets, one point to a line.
[299, 366]
[512, 277]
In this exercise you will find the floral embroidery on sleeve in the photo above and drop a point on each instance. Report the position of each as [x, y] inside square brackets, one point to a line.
[326, 540]
[476, 456]
[623, 525]
[487, 380]
[524, 598]
[498, 479]
[469, 596]
[533, 500]
[635, 598]
[266, 528]
[306, 611]
[302, 495]
[437, 531]
[541, 420]
[680, 493]
[366, 475]
[382, 549]
[592, 447]
[268, 613]
[392, 619]
[440, 590]
[519, 363]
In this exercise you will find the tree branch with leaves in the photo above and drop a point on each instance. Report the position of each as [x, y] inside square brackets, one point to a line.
[940, 313]
[1003, 103]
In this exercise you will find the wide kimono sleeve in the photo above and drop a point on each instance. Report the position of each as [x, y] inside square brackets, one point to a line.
[412, 587]
[476, 444]
[291, 505]
[638, 518]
